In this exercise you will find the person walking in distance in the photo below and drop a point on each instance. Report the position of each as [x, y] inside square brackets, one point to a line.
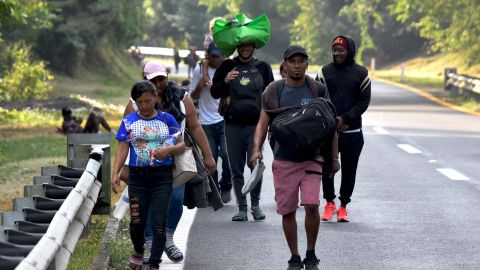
[290, 173]
[350, 89]
[241, 81]
[176, 57]
[212, 122]
[191, 60]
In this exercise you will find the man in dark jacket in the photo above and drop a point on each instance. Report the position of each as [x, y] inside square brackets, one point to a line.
[241, 81]
[349, 87]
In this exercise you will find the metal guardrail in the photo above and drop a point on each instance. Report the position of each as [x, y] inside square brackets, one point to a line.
[69, 221]
[45, 225]
[461, 85]
[158, 51]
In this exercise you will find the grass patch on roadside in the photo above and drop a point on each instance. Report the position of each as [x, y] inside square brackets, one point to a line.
[16, 174]
[28, 118]
[109, 85]
[434, 86]
[121, 246]
[94, 88]
[88, 246]
[426, 73]
[468, 103]
[17, 150]
[436, 82]
[433, 66]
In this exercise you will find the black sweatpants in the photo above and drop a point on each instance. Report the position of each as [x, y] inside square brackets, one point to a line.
[350, 146]
[239, 139]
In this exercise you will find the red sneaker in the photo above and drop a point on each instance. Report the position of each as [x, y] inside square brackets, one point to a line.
[328, 212]
[342, 215]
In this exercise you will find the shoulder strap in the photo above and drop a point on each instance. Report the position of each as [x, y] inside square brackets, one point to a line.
[279, 85]
[184, 111]
[321, 89]
[255, 62]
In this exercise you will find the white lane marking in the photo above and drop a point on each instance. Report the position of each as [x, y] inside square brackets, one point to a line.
[180, 238]
[409, 149]
[432, 161]
[380, 130]
[453, 174]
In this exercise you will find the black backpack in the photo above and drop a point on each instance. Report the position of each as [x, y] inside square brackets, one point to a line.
[302, 131]
[245, 93]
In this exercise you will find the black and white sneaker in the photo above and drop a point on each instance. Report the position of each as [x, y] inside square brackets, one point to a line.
[311, 262]
[295, 263]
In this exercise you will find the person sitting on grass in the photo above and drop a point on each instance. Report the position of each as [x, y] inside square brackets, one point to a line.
[70, 124]
[94, 120]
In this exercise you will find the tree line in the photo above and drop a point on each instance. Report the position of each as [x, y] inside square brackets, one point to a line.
[42, 37]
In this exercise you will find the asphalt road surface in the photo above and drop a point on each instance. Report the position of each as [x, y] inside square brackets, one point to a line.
[415, 204]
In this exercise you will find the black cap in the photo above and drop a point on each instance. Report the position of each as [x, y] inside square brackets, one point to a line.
[294, 49]
[213, 50]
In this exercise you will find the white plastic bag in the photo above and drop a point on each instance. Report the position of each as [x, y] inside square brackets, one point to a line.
[256, 175]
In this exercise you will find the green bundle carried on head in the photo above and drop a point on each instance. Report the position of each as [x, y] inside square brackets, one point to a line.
[242, 30]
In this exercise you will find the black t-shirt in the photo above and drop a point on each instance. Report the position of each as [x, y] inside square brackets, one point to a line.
[220, 89]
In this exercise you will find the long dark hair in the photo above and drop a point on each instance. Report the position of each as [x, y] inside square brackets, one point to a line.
[171, 98]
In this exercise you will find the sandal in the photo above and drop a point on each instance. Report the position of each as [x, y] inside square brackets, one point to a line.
[135, 262]
[257, 213]
[240, 216]
[173, 253]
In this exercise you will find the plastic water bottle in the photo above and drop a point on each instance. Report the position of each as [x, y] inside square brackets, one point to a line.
[122, 206]
[170, 141]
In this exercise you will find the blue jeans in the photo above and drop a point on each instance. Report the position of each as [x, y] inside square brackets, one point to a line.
[216, 138]
[175, 211]
[149, 186]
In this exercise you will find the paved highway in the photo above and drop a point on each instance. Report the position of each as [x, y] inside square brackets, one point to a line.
[415, 205]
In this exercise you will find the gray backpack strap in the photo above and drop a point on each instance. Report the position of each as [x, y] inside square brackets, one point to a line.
[279, 84]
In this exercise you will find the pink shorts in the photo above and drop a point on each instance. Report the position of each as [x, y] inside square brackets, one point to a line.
[289, 177]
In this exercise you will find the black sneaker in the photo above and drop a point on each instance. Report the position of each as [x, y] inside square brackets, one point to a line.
[311, 262]
[295, 263]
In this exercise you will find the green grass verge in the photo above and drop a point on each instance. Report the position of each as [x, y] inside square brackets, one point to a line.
[414, 81]
[88, 246]
[433, 85]
[467, 103]
[121, 247]
[17, 150]
[28, 118]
